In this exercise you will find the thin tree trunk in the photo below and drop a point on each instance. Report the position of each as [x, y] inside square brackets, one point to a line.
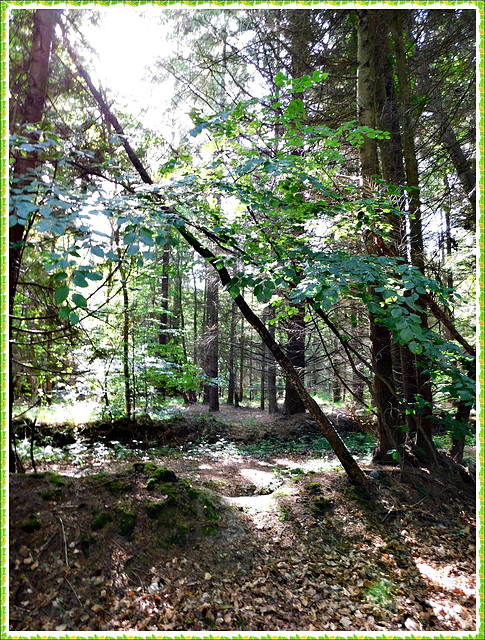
[126, 343]
[232, 374]
[164, 336]
[211, 343]
[241, 366]
[271, 377]
[295, 349]
[263, 377]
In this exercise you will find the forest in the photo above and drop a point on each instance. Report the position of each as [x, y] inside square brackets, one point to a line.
[242, 320]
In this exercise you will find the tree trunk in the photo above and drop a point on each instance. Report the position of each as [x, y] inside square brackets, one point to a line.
[295, 350]
[211, 343]
[271, 369]
[390, 434]
[449, 141]
[32, 112]
[408, 142]
[126, 343]
[232, 373]
[164, 335]
[458, 442]
[263, 377]
[241, 366]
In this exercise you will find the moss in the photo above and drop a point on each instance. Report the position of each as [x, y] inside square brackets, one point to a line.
[209, 510]
[321, 504]
[127, 522]
[180, 535]
[193, 494]
[50, 495]
[313, 487]
[84, 543]
[100, 521]
[116, 486]
[209, 531]
[99, 476]
[165, 475]
[149, 468]
[56, 479]
[151, 485]
[285, 514]
[155, 509]
[159, 477]
[31, 525]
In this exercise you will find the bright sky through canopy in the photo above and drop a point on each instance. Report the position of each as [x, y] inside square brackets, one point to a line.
[127, 40]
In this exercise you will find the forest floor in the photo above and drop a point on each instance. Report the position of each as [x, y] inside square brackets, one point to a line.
[243, 537]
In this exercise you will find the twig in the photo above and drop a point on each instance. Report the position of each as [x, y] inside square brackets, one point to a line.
[46, 544]
[65, 543]
[74, 592]
[419, 502]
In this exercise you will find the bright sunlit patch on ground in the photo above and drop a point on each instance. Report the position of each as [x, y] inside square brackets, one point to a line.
[444, 577]
[317, 464]
[258, 478]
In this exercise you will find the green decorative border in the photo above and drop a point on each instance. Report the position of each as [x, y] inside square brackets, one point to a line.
[5, 4]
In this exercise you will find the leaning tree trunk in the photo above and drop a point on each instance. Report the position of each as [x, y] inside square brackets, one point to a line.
[355, 473]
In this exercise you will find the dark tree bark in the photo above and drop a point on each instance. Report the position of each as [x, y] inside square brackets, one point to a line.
[210, 343]
[271, 368]
[295, 350]
[390, 434]
[31, 113]
[231, 390]
[301, 38]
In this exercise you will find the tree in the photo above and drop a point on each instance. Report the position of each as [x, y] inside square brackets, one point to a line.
[210, 342]
[31, 112]
[291, 252]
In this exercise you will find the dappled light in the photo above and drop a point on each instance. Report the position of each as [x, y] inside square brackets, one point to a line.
[242, 319]
[144, 542]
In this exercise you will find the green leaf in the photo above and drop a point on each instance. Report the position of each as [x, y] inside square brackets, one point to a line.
[406, 334]
[79, 300]
[60, 294]
[129, 238]
[73, 317]
[414, 347]
[97, 251]
[79, 279]
[93, 275]
[133, 249]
